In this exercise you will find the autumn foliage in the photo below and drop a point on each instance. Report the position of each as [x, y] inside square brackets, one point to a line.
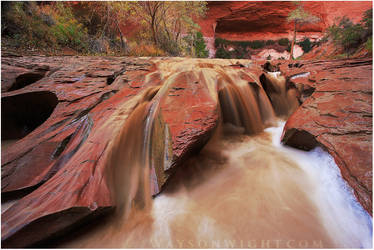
[105, 27]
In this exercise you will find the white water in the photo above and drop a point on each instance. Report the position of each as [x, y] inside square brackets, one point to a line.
[348, 224]
[247, 192]
[300, 75]
[275, 74]
[239, 191]
[345, 223]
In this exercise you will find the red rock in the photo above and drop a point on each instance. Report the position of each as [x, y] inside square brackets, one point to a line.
[63, 163]
[268, 20]
[264, 20]
[65, 155]
[18, 77]
[191, 114]
[338, 117]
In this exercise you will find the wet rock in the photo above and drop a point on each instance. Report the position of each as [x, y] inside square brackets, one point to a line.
[191, 114]
[270, 67]
[338, 117]
[59, 172]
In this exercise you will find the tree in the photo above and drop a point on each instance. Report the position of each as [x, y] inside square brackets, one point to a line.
[200, 46]
[351, 36]
[103, 18]
[299, 17]
[169, 21]
[197, 44]
[367, 22]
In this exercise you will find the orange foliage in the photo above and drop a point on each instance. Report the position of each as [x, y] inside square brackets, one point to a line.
[146, 50]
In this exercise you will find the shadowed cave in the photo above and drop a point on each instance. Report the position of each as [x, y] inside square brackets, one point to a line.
[21, 114]
[26, 79]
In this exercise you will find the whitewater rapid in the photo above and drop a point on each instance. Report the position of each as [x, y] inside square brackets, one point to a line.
[245, 191]
[346, 220]
[313, 207]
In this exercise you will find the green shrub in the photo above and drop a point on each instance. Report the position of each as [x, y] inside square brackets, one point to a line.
[38, 29]
[369, 45]
[67, 30]
[170, 46]
[241, 44]
[220, 42]
[240, 47]
[306, 45]
[200, 46]
[257, 44]
[270, 42]
[348, 35]
[367, 23]
[222, 53]
[352, 36]
[284, 42]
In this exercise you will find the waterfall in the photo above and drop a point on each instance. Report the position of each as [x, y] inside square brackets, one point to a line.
[283, 98]
[243, 190]
[130, 176]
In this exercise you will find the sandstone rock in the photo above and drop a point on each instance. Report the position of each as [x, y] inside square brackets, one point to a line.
[65, 157]
[338, 117]
[59, 171]
[267, 20]
[191, 114]
[17, 77]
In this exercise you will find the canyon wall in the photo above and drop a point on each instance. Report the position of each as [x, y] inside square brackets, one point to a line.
[264, 20]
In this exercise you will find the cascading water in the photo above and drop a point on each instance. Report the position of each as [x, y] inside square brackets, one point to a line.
[129, 173]
[243, 190]
[284, 100]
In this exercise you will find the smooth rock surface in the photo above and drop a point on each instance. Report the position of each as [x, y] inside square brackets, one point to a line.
[58, 174]
[338, 117]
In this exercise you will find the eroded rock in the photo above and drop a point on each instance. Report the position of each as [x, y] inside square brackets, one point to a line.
[338, 117]
[60, 171]
[63, 161]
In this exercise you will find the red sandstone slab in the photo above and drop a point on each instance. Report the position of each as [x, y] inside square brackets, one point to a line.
[338, 117]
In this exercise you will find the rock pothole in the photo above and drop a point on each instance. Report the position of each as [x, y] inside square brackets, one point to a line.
[26, 79]
[21, 114]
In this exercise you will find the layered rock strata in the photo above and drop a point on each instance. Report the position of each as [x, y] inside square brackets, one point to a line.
[336, 116]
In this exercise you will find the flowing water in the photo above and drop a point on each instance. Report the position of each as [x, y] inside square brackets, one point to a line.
[243, 190]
